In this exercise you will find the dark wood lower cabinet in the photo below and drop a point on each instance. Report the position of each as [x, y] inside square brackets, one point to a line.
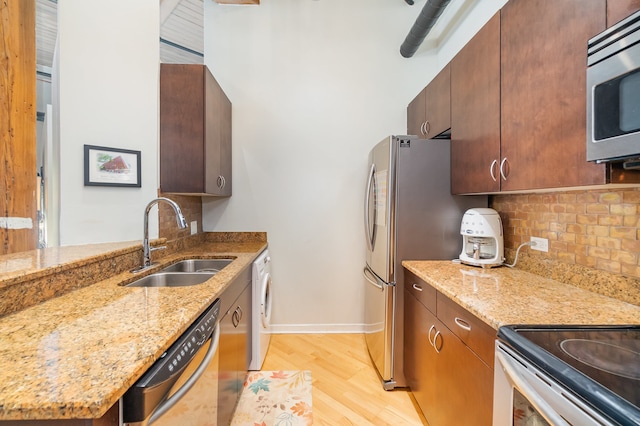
[450, 383]
[234, 351]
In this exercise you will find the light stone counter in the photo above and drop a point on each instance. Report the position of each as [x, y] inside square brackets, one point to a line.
[74, 356]
[502, 296]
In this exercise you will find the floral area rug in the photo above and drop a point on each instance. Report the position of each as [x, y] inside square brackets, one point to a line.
[275, 398]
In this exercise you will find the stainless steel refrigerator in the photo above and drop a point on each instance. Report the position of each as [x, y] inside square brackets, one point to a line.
[409, 214]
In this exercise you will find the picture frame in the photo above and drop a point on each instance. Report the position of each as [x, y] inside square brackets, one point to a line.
[104, 166]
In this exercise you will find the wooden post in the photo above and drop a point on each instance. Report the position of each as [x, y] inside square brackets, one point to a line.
[18, 225]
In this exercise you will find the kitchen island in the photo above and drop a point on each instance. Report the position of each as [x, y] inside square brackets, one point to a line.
[74, 355]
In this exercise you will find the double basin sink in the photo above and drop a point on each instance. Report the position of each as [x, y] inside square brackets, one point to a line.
[183, 273]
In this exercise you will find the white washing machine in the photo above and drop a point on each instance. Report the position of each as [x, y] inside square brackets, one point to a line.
[261, 325]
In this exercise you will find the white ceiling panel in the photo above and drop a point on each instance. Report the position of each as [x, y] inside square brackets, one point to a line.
[181, 33]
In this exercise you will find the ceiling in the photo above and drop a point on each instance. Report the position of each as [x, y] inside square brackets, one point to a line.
[181, 31]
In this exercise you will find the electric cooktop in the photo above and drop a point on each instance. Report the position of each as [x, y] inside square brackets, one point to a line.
[601, 364]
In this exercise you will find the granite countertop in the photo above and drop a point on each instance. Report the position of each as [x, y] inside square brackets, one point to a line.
[75, 355]
[502, 296]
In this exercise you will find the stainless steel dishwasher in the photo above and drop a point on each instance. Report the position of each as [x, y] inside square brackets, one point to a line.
[181, 387]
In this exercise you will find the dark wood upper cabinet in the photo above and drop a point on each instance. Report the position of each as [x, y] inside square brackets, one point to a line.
[518, 99]
[429, 114]
[475, 113]
[617, 10]
[543, 93]
[416, 114]
[195, 132]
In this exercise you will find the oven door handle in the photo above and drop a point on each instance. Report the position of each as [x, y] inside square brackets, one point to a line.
[188, 384]
[529, 392]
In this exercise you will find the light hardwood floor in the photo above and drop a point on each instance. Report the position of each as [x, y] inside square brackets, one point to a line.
[346, 388]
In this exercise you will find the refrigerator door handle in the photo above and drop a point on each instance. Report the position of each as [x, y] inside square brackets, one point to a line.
[370, 232]
[376, 282]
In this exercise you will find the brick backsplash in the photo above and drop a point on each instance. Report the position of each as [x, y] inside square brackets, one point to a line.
[191, 207]
[593, 229]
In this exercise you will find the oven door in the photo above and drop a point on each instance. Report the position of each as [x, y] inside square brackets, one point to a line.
[524, 395]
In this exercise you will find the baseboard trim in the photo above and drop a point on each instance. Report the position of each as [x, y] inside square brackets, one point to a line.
[316, 328]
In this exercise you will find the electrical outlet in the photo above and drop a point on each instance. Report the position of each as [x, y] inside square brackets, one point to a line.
[194, 227]
[540, 244]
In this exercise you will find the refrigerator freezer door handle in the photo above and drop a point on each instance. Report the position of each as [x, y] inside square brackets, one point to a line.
[367, 273]
[370, 232]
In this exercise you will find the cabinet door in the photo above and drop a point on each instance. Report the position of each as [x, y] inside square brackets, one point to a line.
[244, 330]
[419, 356]
[464, 384]
[416, 115]
[475, 113]
[181, 128]
[438, 104]
[227, 372]
[543, 69]
[617, 10]
[234, 353]
[195, 132]
[217, 149]
[429, 113]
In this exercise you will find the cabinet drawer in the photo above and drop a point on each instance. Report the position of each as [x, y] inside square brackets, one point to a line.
[422, 291]
[479, 336]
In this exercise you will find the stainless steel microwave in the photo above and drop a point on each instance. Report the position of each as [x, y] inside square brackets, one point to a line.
[613, 94]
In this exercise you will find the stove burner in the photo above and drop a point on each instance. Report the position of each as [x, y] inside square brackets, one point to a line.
[604, 356]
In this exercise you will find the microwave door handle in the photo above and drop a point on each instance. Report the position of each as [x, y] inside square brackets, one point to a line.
[527, 390]
[369, 232]
[177, 396]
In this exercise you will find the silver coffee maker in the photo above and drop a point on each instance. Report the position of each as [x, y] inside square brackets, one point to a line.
[482, 241]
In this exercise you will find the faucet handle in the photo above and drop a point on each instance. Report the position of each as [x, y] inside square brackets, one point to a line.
[157, 248]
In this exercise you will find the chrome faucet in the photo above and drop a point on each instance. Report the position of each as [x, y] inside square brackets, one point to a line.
[146, 249]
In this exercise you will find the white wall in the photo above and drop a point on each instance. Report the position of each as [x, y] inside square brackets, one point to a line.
[314, 85]
[108, 81]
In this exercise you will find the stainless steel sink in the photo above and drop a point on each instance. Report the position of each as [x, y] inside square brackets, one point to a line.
[198, 265]
[172, 279]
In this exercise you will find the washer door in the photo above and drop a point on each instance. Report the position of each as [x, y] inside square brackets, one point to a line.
[265, 301]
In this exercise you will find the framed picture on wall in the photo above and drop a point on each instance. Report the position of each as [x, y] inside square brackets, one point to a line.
[111, 167]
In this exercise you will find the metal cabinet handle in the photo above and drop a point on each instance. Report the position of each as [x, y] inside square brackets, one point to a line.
[236, 317]
[435, 337]
[462, 324]
[423, 130]
[417, 287]
[433, 327]
[427, 128]
[221, 182]
[493, 164]
[502, 164]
